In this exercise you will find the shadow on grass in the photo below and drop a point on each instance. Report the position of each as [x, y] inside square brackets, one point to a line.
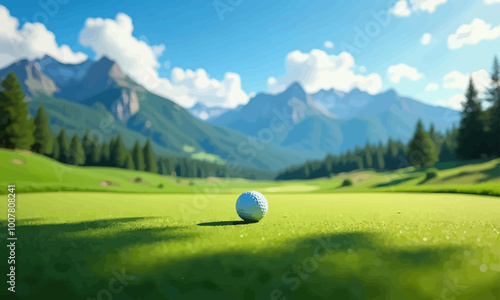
[69, 261]
[227, 223]
[394, 182]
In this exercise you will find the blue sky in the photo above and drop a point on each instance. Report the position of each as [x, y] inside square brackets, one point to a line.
[253, 38]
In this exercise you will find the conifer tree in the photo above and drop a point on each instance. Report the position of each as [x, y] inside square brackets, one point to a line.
[118, 153]
[61, 146]
[16, 123]
[421, 149]
[76, 154]
[470, 140]
[95, 152]
[44, 141]
[149, 158]
[493, 136]
[138, 156]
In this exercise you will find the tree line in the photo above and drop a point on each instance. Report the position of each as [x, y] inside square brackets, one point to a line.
[19, 130]
[477, 137]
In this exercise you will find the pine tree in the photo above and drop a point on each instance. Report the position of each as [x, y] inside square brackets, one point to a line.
[367, 157]
[149, 158]
[436, 139]
[61, 146]
[379, 157]
[44, 141]
[421, 149]
[493, 136]
[16, 123]
[95, 152]
[130, 162]
[118, 153]
[470, 140]
[105, 155]
[76, 154]
[87, 146]
[138, 157]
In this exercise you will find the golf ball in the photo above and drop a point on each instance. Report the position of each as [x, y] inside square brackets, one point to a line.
[251, 206]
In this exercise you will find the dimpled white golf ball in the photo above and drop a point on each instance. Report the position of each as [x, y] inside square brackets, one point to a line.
[251, 206]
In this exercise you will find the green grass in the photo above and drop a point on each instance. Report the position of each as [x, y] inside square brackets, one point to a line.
[309, 246]
[35, 173]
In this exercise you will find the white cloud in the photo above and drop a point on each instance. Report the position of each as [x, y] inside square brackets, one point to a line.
[473, 33]
[399, 71]
[401, 9]
[432, 87]
[317, 70]
[455, 102]
[404, 8]
[328, 44]
[31, 41]
[426, 39]
[491, 1]
[227, 93]
[458, 81]
[426, 5]
[113, 38]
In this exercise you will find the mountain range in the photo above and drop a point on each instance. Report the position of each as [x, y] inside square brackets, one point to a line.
[334, 122]
[270, 132]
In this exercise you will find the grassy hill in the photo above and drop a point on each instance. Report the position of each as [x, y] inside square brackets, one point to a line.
[31, 172]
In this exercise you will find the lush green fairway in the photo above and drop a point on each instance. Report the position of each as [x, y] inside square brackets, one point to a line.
[335, 246]
[35, 173]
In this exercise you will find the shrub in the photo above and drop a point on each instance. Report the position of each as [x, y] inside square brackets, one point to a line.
[431, 173]
[191, 183]
[347, 182]
[138, 179]
[160, 185]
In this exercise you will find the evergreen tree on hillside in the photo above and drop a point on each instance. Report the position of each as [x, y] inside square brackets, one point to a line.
[44, 141]
[471, 131]
[105, 155]
[76, 154]
[149, 158]
[421, 149]
[493, 136]
[61, 146]
[436, 139]
[118, 153]
[130, 162]
[95, 152]
[87, 146]
[449, 145]
[367, 157]
[138, 157]
[379, 162]
[16, 123]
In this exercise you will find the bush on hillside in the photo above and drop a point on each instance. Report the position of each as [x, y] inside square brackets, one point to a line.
[431, 173]
[347, 182]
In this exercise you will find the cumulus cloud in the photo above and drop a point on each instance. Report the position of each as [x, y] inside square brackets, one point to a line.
[404, 8]
[401, 9]
[455, 102]
[317, 70]
[432, 87]
[473, 33]
[397, 72]
[426, 39]
[113, 38]
[491, 1]
[328, 44]
[31, 41]
[227, 93]
[456, 80]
